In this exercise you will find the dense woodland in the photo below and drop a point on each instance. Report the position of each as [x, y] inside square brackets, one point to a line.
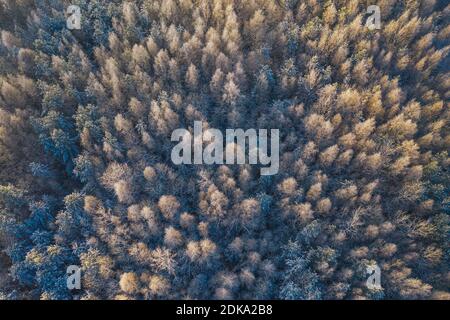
[86, 176]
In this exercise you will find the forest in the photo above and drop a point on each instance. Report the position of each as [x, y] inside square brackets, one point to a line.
[86, 177]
